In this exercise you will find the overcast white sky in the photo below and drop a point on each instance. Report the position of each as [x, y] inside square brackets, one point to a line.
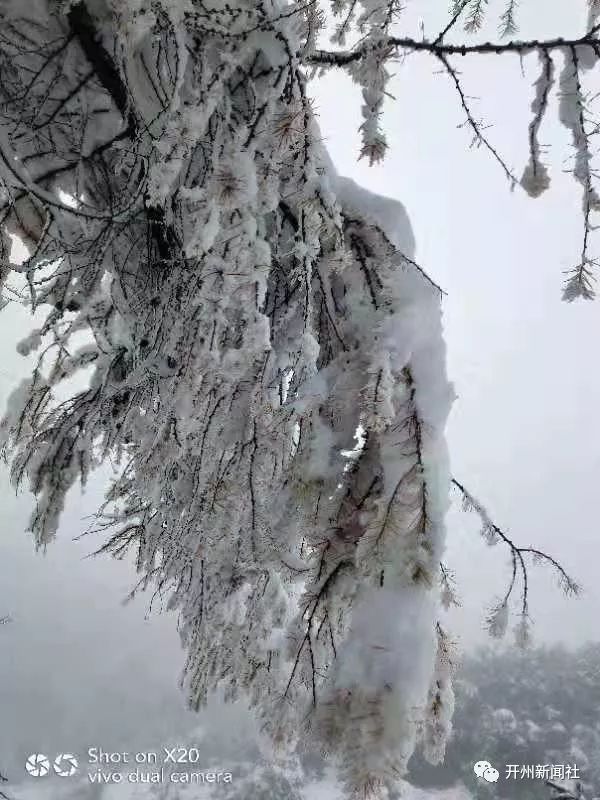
[77, 669]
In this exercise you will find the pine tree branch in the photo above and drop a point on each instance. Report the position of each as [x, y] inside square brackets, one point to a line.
[581, 278]
[493, 533]
[478, 137]
[103, 66]
[566, 794]
[393, 249]
[82, 26]
[341, 58]
[440, 38]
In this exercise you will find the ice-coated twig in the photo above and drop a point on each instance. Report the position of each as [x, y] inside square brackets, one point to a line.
[498, 615]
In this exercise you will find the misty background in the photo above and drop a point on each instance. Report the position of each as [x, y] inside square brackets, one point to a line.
[79, 669]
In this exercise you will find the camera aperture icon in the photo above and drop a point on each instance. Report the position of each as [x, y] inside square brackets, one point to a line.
[37, 765]
[65, 765]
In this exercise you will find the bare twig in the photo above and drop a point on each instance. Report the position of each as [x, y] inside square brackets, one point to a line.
[493, 533]
[478, 137]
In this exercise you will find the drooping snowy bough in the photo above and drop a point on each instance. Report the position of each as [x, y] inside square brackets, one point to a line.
[265, 359]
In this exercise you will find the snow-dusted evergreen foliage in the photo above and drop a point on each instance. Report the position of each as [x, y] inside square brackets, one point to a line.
[265, 359]
[241, 311]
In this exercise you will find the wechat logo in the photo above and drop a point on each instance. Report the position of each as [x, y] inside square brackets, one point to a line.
[483, 769]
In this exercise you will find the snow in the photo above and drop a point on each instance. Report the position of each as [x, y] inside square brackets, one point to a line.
[535, 178]
[497, 621]
[572, 114]
[505, 719]
[522, 632]
[386, 212]
[326, 789]
[389, 623]
[331, 790]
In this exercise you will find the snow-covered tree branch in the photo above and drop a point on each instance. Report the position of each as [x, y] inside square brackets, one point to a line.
[264, 358]
[497, 620]
[376, 47]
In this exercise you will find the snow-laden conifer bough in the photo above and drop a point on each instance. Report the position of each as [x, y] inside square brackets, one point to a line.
[265, 358]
